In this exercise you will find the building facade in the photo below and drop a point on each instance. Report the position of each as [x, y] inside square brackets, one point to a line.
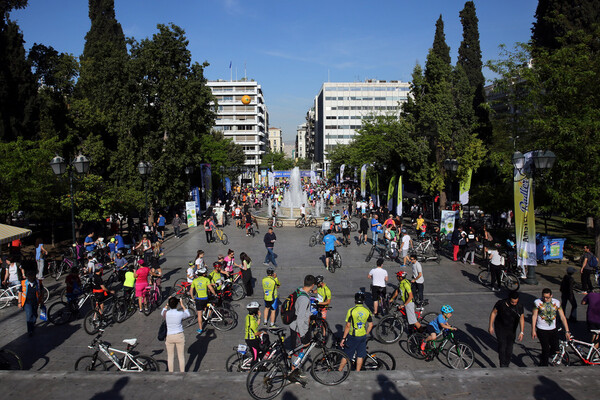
[340, 107]
[246, 124]
[301, 140]
[275, 140]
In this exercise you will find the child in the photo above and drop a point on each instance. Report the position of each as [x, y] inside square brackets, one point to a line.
[251, 332]
[567, 294]
[112, 247]
[435, 327]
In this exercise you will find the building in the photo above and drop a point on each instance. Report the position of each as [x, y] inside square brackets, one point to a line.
[341, 106]
[289, 149]
[301, 141]
[247, 125]
[275, 140]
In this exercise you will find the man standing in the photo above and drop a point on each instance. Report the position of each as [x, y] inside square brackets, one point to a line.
[30, 298]
[270, 283]
[379, 278]
[299, 328]
[363, 229]
[269, 240]
[417, 280]
[358, 326]
[406, 243]
[543, 323]
[162, 221]
[588, 265]
[504, 319]
[329, 241]
[374, 228]
[176, 225]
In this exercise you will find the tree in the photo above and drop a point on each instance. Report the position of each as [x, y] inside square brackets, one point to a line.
[278, 159]
[440, 48]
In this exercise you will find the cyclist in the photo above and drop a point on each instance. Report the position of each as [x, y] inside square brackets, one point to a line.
[216, 275]
[146, 245]
[325, 226]
[417, 277]
[156, 272]
[379, 278]
[191, 272]
[249, 221]
[325, 293]
[99, 290]
[237, 214]
[251, 333]
[406, 243]
[363, 229]
[129, 283]
[201, 285]
[329, 241]
[346, 230]
[435, 327]
[337, 220]
[405, 290]
[112, 248]
[73, 283]
[303, 212]
[358, 326]
[121, 264]
[270, 283]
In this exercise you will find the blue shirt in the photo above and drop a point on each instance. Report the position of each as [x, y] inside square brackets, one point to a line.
[162, 221]
[374, 224]
[38, 252]
[119, 241]
[329, 242]
[337, 219]
[120, 262]
[112, 247]
[89, 244]
[437, 323]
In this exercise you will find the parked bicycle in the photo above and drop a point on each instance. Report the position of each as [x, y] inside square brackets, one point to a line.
[459, 356]
[384, 252]
[306, 221]
[426, 250]
[508, 279]
[220, 236]
[587, 352]
[125, 307]
[62, 312]
[274, 222]
[390, 328]
[124, 360]
[220, 318]
[10, 295]
[57, 269]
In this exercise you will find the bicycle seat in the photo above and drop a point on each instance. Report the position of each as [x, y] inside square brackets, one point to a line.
[595, 331]
[131, 342]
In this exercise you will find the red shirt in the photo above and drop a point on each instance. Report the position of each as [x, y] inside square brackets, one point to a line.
[142, 275]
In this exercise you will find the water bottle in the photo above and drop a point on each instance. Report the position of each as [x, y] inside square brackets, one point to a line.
[299, 359]
[114, 357]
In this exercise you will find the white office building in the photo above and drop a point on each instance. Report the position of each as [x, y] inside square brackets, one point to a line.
[247, 125]
[341, 106]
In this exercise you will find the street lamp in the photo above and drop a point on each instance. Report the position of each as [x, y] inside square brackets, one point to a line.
[540, 160]
[145, 169]
[81, 165]
[188, 171]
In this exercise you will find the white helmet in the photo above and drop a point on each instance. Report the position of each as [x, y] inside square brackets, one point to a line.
[201, 270]
[253, 304]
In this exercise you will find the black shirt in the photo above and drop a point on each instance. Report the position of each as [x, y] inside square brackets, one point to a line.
[97, 282]
[508, 315]
[364, 224]
[268, 239]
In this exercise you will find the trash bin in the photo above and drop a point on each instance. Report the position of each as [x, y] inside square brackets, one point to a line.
[550, 248]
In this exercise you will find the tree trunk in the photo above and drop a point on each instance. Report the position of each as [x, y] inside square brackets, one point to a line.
[597, 234]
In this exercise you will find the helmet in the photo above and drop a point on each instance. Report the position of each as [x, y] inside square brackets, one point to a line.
[359, 298]
[401, 274]
[191, 263]
[447, 309]
[319, 279]
[252, 305]
[201, 270]
[112, 240]
[141, 262]
[270, 271]
[326, 219]
[217, 264]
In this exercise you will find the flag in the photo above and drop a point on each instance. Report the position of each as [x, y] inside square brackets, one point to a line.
[390, 195]
[525, 215]
[342, 168]
[464, 187]
[399, 200]
[363, 181]
[227, 185]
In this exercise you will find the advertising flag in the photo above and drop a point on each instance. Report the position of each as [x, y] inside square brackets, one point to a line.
[399, 200]
[390, 194]
[227, 185]
[465, 185]
[525, 215]
[363, 181]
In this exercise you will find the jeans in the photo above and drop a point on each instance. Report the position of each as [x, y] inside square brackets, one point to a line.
[177, 230]
[586, 281]
[270, 257]
[506, 340]
[419, 292]
[209, 236]
[549, 343]
[374, 237]
[31, 315]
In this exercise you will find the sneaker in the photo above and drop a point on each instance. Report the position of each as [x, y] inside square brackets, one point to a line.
[267, 264]
[198, 331]
[423, 347]
[265, 323]
[273, 326]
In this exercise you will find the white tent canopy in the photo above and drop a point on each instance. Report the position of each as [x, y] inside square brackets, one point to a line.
[9, 233]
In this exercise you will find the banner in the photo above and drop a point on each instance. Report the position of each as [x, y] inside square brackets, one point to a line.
[525, 215]
[447, 224]
[363, 181]
[190, 211]
[342, 168]
[271, 178]
[464, 187]
[377, 189]
[390, 194]
[399, 200]
[337, 178]
[372, 190]
[313, 177]
[227, 185]
[206, 180]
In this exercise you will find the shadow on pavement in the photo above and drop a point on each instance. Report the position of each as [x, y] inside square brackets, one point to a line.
[547, 389]
[388, 390]
[477, 337]
[114, 392]
[197, 350]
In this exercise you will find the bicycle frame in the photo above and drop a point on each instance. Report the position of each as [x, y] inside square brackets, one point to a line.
[572, 344]
[127, 357]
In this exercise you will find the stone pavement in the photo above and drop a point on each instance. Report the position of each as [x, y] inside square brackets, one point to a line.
[55, 349]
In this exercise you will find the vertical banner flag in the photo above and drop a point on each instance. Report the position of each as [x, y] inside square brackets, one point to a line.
[190, 211]
[448, 221]
[342, 168]
[464, 187]
[390, 194]
[363, 181]
[525, 215]
[377, 188]
[337, 178]
[372, 189]
[399, 200]
[206, 177]
[227, 185]
[271, 178]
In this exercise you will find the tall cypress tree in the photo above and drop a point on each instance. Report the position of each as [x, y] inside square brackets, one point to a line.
[440, 48]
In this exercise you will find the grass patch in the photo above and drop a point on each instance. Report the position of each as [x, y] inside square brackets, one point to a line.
[574, 231]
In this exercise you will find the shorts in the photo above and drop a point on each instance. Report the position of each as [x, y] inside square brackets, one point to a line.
[431, 329]
[248, 225]
[139, 288]
[362, 231]
[404, 253]
[376, 291]
[356, 344]
[238, 217]
[410, 313]
[200, 304]
[100, 297]
[346, 231]
[593, 326]
[271, 303]
[329, 254]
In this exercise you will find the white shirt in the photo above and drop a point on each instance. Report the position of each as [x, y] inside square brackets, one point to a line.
[190, 272]
[378, 274]
[496, 258]
[13, 275]
[325, 226]
[547, 314]
[405, 242]
[302, 210]
[174, 318]
[417, 268]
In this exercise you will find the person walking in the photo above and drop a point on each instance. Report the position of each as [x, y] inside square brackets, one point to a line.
[175, 337]
[176, 222]
[269, 240]
[417, 278]
[40, 254]
[358, 327]
[246, 273]
[496, 262]
[588, 265]
[209, 225]
[506, 316]
[456, 236]
[567, 294]
[30, 298]
[544, 327]
[379, 277]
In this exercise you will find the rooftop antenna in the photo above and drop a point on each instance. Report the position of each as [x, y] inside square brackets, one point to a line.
[245, 76]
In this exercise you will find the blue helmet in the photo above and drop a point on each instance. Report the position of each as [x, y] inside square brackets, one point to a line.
[447, 309]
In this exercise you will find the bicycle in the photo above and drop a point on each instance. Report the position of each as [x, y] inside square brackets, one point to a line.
[125, 307]
[220, 318]
[276, 224]
[62, 312]
[586, 352]
[459, 356]
[335, 262]
[316, 238]
[10, 295]
[127, 363]
[221, 236]
[241, 360]
[426, 251]
[386, 252]
[508, 279]
[57, 269]
[377, 360]
[95, 320]
[267, 378]
[306, 221]
[152, 297]
[238, 291]
[390, 328]
[9, 360]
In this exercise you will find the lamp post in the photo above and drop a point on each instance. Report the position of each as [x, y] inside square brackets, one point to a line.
[450, 165]
[145, 169]
[188, 171]
[538, 160]
[81, 165]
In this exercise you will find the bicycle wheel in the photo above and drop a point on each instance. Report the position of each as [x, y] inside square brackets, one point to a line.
[485, 278]
[312, 241]
[353, 226]
[176, 287]
[389, 330]
[279, 224]
[237, 292]
[6, 298]
[427, 318]
[9, 360]
[121, 310]
[63, 295]
[370, 255]
[52, 269]
[45, 294]
[511, 282]
[146, 363]
[299, 223]
[559, 359]
[149, 302]
[388, 360]
[88, 363]
[325, 367]
[62, 267]
[92, 322]
[322, 329]
[312, 222]
[373, 364]
[59, 313]
[266, 380]
[223, 319]
[460, 356]
[225, 239]
[337, 261]
[238, 363]
[413, 345]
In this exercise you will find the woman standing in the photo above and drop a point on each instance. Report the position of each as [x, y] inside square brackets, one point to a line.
[230, 262]
[175, 336]
[30, 299]
[40, 253]
[141, 282]
[246, 273]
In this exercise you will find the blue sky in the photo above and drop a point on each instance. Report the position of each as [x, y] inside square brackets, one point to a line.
[292, 47]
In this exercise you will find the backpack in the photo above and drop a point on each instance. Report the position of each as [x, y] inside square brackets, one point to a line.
[593, 261]
[288, 307]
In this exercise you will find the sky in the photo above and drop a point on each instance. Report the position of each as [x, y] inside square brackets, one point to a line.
[291, 47]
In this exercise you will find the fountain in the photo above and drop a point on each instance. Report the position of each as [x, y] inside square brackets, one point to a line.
[295, 196]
